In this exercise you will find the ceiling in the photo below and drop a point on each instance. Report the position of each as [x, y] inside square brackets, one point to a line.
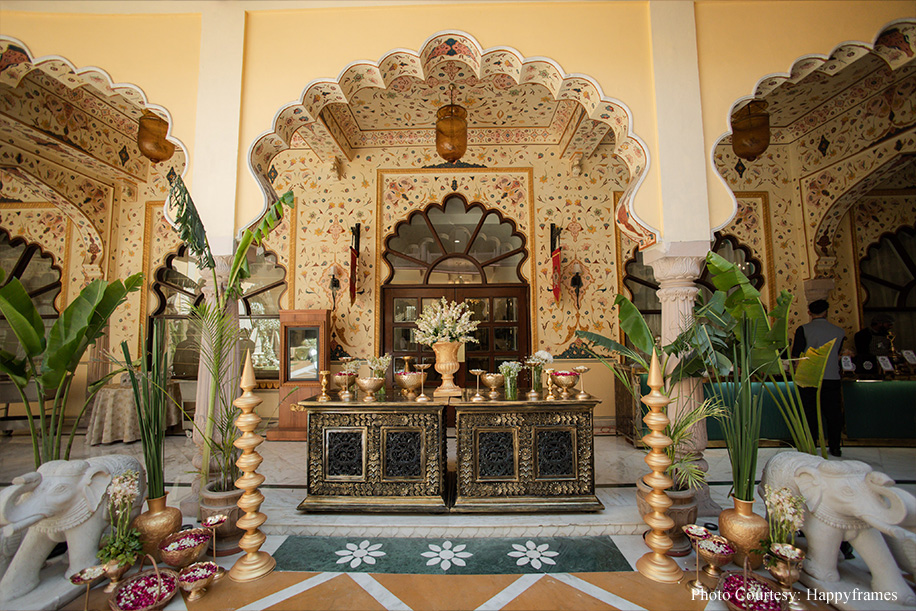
[510, 99]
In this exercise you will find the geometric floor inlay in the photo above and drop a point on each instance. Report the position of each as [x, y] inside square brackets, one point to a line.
[452, 556]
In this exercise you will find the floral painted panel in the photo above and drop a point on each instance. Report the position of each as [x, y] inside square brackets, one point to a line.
[877, 215]
[327, 207]
[61, 119]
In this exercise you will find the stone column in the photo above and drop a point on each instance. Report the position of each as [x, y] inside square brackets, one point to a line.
[190, 505]
[677, 292]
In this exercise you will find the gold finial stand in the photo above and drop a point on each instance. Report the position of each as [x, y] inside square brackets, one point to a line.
[324, 397]
[656, 565]
[254, 564]
[549, 396]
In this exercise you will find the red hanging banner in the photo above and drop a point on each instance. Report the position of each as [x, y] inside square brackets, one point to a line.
[555, 256]
[354, 260]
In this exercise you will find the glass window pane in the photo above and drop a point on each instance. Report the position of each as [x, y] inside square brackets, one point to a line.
[426, 302]
[480, 308]
[181, 339]
[405, 272]
[455, 224]
[302, 343]
[505, 309]
[478, 362]
[404, 339]
[405, 310]
[504, 271]
[263, 339]
[483, 340]
[414, 240]
[505, 339]
[455, 271]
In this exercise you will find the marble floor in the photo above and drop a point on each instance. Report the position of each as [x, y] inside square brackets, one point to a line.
[617, 465]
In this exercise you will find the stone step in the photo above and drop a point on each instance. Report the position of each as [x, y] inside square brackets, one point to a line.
[619, 517]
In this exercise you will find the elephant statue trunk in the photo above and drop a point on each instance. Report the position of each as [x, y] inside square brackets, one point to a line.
[62, 501]
[846, 501]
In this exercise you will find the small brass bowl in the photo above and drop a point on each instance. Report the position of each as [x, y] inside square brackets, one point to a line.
[410, 381]
[492, 381]
[369, 386]
[179, 558]
[344, 381]
[565, 380]
[715, 560]
[198, 587]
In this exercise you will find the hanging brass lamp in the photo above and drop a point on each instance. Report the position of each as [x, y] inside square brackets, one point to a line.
[451, 130]
[751, 130]
[151, 138]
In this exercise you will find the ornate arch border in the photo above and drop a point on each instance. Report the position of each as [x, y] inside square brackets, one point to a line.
[17, 60]
[895, 44]
[454, 45]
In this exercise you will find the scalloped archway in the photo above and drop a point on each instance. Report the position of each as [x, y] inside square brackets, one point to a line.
[511, 99]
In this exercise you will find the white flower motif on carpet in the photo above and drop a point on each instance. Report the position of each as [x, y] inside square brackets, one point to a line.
[535, 554]
[446, 555]
[356, 555]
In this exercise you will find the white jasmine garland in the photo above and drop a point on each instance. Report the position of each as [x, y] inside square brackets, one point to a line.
[444, 321]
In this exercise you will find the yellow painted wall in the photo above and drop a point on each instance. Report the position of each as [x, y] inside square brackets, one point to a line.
[159, 54]
[738, 43]
[286, 50]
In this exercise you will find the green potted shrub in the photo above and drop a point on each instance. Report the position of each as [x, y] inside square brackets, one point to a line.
[49, 359]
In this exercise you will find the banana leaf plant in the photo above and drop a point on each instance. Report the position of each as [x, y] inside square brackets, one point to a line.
[219, 337]
[735, 343]
[50, 361]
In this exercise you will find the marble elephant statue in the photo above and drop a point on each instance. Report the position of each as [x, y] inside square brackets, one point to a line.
[903, 542]
[846, 501]
[62, 501]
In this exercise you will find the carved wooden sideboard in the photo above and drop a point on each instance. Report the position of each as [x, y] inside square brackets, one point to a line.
[375, 456]
[513, 456]
[525, 456]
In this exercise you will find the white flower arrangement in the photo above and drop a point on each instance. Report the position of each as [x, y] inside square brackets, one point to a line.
[378, 365]
[785, 513]
[444, 321]
[351, 368]
[510, 369]
[541, 357]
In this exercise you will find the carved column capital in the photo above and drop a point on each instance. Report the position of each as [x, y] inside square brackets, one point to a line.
[677, 269]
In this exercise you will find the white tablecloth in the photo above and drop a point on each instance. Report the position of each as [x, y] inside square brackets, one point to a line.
[114, 417]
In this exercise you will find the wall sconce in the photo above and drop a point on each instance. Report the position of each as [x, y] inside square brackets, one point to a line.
[336, 272]
[576, 281]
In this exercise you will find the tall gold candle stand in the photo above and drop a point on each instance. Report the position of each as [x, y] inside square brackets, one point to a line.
[655, 564]
[549, 396]
[254, 564]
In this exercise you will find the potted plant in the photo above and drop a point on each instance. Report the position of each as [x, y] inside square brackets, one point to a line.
[151, 398]
[122, 545]
[49, 359]
[218, 338]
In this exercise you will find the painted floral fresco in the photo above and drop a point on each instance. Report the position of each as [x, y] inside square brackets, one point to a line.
[328, 207]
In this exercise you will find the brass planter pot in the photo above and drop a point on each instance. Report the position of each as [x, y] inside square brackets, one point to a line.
[156, 523]
[745, 530]
[223, 503]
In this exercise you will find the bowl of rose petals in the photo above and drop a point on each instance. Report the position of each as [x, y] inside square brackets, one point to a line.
[695, 531]
[195, 578]
[214, 521]
[145, 591]
[87, 575]
[757, 594]
[716, 551]
[184, 547]
[787, 552]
